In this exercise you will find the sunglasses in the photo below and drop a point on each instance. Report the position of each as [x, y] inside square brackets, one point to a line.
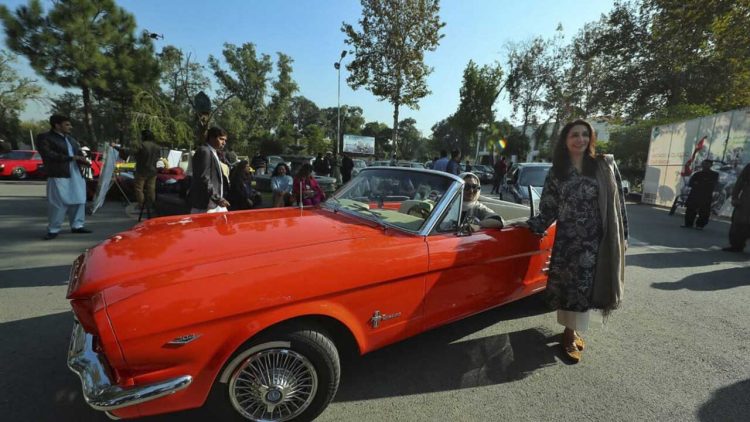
[472, 187]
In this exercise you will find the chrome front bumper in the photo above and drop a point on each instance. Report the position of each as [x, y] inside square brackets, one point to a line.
[98, 388]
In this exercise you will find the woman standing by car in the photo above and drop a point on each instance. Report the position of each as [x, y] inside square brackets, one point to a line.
[583, 194]
[306, 187]
[281, 186]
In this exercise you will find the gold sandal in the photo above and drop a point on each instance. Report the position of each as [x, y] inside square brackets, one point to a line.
[580, 344]
[572, 352]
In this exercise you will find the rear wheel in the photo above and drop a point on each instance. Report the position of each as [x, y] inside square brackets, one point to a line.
[290, 376]
[19, 173]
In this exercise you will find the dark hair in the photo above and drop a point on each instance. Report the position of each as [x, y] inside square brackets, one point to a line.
[238, 172]
[147, 135]
[561, 158]
[304, 171]
[57, 119]
[456, 153]
[443, 153]
[276, 170]
[215, 132]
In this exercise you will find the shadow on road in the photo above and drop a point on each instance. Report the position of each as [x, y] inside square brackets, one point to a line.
[727, 404]
[661, 260]
[436, 361]
[429, 365]
[34, 378]
[35, 277]
[709, 281]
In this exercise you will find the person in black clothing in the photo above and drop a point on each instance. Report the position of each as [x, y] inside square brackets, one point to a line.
[454, 165]
[209, 184]
[146, 156]
[739, 231]
[259, 163]
[347, 165]
[242, 196]
[698, 202]
[501, 167]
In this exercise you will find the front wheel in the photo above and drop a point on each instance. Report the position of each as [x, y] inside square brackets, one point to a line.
[290, 376]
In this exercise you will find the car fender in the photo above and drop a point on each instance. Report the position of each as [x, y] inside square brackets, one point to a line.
[255, 328]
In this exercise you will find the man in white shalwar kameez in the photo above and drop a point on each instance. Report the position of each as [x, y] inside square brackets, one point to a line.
[66, 187]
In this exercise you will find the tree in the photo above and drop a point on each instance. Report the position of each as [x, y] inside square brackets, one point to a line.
[481, 87]
[279, 110]
[446, 134]
[79, 43]
[14, 92]
[382, 134]
[181, 78]
[246, 79]
[389, 50]
[411, 145]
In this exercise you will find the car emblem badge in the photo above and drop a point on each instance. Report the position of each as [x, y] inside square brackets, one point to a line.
[377, 317]
[183, 340]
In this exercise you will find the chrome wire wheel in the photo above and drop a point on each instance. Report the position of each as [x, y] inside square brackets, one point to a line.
[273, 385]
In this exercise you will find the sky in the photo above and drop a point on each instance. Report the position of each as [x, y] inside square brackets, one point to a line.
[310, 32]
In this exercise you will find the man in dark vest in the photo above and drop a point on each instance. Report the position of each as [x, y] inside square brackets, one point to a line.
[347, 165]
[66, 187]
[702, 186]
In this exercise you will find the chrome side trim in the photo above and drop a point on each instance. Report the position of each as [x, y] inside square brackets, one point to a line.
[98, 389]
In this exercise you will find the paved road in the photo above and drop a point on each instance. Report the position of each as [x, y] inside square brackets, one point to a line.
[678, 350]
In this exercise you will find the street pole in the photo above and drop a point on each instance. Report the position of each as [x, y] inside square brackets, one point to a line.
[337, 65]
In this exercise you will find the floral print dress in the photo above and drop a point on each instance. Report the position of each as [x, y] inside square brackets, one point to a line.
[574, 204]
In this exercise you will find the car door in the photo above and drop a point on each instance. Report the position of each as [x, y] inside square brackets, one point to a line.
[469, 273]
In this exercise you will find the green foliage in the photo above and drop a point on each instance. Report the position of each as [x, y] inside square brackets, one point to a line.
[481, 87]
[382, 134]
[279, 110]
[389, 50]
[86, 44]
[411, 145]
[150, 112]
[245, 79]
[14, 90]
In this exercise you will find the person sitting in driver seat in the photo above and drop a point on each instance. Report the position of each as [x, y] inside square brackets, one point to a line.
[473, 211]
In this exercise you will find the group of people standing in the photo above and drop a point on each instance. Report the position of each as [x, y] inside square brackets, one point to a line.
[452, 165]
[698, 204]
[214, 188]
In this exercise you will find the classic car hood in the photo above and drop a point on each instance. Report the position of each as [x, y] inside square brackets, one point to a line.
[170, 244]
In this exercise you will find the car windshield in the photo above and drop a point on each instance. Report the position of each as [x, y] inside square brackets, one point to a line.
[533, 176]
[396, 197]
[17, 155]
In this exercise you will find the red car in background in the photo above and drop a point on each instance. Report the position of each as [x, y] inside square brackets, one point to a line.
[20, 164]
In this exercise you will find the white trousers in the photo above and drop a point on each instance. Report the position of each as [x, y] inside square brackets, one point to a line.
[76, 215]
[576, 321]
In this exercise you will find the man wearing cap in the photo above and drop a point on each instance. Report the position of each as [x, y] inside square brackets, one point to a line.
[702, 186]
[66, 188]
[146, 157]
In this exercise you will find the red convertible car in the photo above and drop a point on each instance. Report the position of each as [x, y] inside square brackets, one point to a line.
[20, 164]
[254, 307]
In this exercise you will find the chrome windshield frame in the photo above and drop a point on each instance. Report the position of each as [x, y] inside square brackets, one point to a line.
[437, 212]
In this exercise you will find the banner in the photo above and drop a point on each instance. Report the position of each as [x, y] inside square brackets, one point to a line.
[359, 144]
[105, 178]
